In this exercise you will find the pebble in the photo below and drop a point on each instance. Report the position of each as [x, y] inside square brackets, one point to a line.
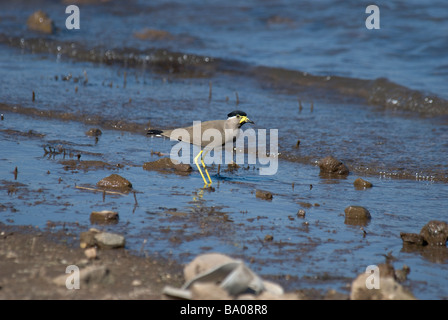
[116, 182]
[361, 184]
[331, 165]
[262, 194]
[104, 216]
[356, 215]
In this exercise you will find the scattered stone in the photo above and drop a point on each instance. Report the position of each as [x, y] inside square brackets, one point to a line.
[136, 283]
[106, 240]
[168, 165]
[361, 184]
[262, 194]
[90, 253]
[39, 21]
[412, 239]
[301, 213]
[331, 165]
[389, 288]
[231, 167]
[94, 132]
[204, 262]
[115, 182]
[356, 215]
[87, 238]
[208, 291]
[104, 217]
[268, 237]
[435, 233]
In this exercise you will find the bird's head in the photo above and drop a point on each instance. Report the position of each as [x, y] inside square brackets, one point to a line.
[240, 117]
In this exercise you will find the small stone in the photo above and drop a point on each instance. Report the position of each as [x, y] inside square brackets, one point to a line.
[90, 253]
[262, 194]
[301, 213]
[106, 240]
[268, 237]
[104, 217]
[331, 165]
[87, 238]
[412, 239]
[435, 233]
[167, 165]
[361, 184]
[39, 21]
[203, 263]
[136, 283]
[94, 132]
[116, 182]
[356, 215]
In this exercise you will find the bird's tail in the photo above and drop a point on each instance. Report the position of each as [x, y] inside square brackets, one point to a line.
[154, 132]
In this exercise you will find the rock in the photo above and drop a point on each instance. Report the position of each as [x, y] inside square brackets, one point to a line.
[356, 215]
[208, 291]
[389, 288]
[115, 182]
[104, 217]
[87, 238]
[94, 132]
[361, 184]
[90, 253]
[435, 233]
[106, 240]
[262, 194]
[301, 213]
[167, 165]
[39, 21]
[332, 166]
[204, 262]
[268, 237]
[402, 275]
[412, 239]
[103, 240]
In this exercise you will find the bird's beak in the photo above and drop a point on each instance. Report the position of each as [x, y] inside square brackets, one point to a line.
[245, 119]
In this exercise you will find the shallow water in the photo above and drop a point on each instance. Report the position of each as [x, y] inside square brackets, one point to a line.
[400, 147]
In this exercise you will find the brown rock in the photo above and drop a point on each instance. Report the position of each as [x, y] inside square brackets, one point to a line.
[356, 215]
[104, 217]
[412, 239]
[115, 182]
[268, 237]
[361, 184]
[435, 233]
[167, 165]
[262, 194]
[106, 240]
[94, 132]
[39, 21]
[87, 238]
[331, 165]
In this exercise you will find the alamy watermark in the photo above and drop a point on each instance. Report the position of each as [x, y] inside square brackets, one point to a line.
[219, 147]
[72, 281]
[373, 280]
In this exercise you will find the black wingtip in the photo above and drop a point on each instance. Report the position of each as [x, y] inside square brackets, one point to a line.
[155, 132]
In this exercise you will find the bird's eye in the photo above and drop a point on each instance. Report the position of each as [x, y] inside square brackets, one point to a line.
[238, 116]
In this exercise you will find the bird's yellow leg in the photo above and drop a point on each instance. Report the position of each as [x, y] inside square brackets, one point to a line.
[205, 168]
[200, 171]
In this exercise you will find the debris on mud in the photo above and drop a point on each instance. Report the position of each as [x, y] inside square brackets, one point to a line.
[115, 182]
[167, 165]
[332, 166]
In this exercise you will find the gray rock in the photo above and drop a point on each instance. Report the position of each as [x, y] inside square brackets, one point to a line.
[106, 240]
